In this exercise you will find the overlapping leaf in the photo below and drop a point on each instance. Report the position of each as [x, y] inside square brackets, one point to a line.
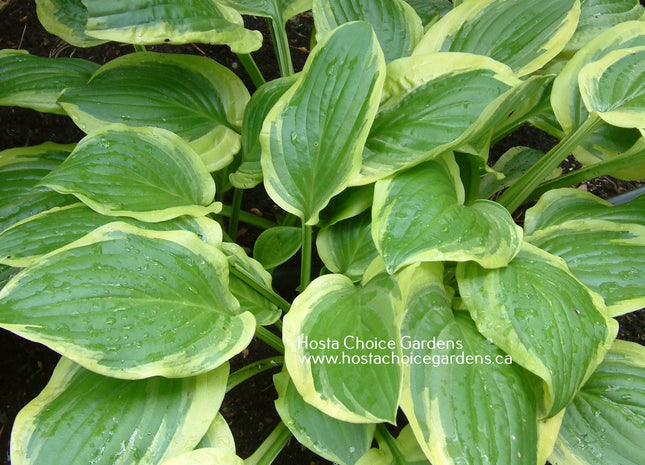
[431, 104]
[407, 446]
[605, 423]
[312, 138]
[332, 309]
[524, 35]
[145, 173]
[82, 417]
[219, 436]
[279, 10]
[66, 19]
[537, 311]
[338, 441]
[131, 303]
[396, 24]
[206, 456]
[34, 82]
[194, 97]
[418, 215]
[170, 21]
[430, 10]
[466, 401]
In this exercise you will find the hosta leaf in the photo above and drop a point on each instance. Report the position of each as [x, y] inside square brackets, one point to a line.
[407, 446]
[429, 105]
[558, 206]
[219, 435]
[466, 401]
[347, 247]
[524, 35]
[130, 303]
[264, 311]
[208, 456]
[338, 441]
[145, 173]
[66, 19]
[279, 10]
[277, 245]
[249, 173]
[597, 16]
[312, 138]
[36, 200]
[396, 24]
[418, 215]
[194, 97]
[83, 417]
[6, 273]
[605, 423]
[430, 10]
[34, 82]
[351, 202]
[345, 382]
[45, 232]
[538, 312]
[166, 21]
[614, 87]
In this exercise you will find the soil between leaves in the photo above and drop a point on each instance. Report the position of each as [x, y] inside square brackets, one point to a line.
[25, 367]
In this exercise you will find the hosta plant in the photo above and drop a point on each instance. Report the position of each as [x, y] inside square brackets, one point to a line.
[485, 340]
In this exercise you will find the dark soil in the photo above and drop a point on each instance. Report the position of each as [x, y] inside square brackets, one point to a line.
[25, 367]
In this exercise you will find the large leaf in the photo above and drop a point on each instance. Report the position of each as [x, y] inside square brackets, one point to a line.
[130, 303]
[322, 334]
[524, 35]
[82, 417]
[194, 97]
[312, 138]
[249, 173]
[168, 21]
[145, 173]
[430, 105]
[418, 215]
[605, 423]
[66, 19]
[599, 15]
[614, 87]
[45, 232]
[35, 82]
[465, 400]
[338, 441]
[539, 313]
[396, 24]
[346, 247]
[278, 10]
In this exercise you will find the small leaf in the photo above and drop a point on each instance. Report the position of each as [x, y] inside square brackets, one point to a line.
[524, 35]
[131, 303]
[605, 423]
[539, 313]
[395, 23]
[277, 245]
[66, 19]
[418, 215]
[326, 320]
[145, 173]
[317, 129]
[351, 202]
[34, 82]
[466, 401]
[347, 247]
[194, 97]
[408, 447]
[613, 87]
[337, 441]
[82, 417]
[148, 23]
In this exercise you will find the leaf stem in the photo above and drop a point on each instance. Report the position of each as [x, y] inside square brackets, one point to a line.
[522, 189]
[269, 338]
[238, 377]
[271, 447]
[386, 441]
[269, 294]
[236, 206]
[251, 68]
[139, 48]
[305, 268]
[281, 46]
[248, 218]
